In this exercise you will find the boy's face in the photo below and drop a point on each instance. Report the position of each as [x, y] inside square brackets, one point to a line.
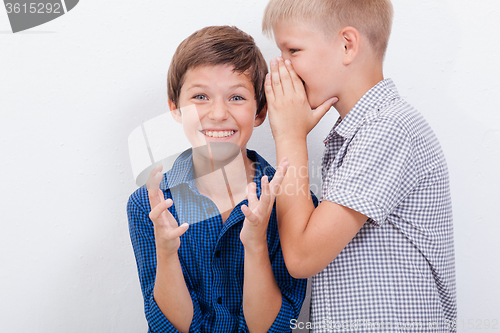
[314, 57]
[224, 106]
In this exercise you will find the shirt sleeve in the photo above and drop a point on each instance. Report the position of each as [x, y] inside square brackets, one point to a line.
[142, 237]
[376, 172]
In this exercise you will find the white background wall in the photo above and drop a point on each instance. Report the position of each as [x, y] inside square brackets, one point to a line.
[73, 89]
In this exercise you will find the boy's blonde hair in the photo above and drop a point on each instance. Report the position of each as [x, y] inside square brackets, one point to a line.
[372, 18]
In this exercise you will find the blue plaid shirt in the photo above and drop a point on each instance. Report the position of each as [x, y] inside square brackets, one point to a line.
[211, 254]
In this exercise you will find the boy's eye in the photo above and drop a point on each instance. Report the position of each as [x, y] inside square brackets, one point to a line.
[237, 98]
[292, 51]
[200, 96]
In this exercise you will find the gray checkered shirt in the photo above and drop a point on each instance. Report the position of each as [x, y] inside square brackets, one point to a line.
[398, 273]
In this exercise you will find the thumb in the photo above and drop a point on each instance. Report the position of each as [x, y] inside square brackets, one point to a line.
[321, 110]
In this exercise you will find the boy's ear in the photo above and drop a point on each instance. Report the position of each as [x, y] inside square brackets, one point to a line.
[350, 41]
[175, 112]
[259, 118]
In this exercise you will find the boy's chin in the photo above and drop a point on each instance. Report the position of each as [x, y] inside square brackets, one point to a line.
[313, 100]
[219, 154]
[316, 101]
[224, 151]
[313, 103]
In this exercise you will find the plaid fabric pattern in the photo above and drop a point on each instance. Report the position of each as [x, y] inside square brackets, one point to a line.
[211, 254]
[398, 273]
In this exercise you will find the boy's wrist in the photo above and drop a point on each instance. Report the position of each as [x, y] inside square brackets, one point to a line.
[287, 137]
[290, 141]
[166, 256]
[256, 247]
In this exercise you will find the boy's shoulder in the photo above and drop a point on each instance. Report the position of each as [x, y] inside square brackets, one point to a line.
[400, 117]
[139, 199]
[397, 126]
[386, 110]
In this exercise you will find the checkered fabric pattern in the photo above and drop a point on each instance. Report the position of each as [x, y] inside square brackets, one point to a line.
[211, 254]
[398, 273]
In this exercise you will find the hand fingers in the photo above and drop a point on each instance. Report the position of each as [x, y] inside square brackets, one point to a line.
[252, 195]
[153, 185]
[249, 215]
[172, 222]
[257, 209]
[262, 206]
[298, 85]
[275, 79]
[268, 89]
[152, 181]
[178, 232]
[160, 214]
[155, 195]
[265, 196]
[156, 211]
[286, 79]
[321, 110]
[279, 176]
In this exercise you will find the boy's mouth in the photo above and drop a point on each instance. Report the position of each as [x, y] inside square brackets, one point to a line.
[218, 134]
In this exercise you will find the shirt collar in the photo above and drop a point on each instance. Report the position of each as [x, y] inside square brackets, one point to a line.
[182, 171]
[382, 93]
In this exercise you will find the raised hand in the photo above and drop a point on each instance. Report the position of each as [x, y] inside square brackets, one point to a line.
[258, 212]
[290, 114]
[167, 231]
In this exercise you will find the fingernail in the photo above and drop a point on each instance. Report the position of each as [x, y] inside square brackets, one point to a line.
[280, 59]
[274, 62]
[268, 76]
[288, 62]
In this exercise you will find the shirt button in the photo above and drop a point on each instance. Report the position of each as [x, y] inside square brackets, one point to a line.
[219, 300]
[217, 254]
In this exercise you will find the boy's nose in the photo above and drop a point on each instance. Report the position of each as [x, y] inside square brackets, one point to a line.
[218, 111]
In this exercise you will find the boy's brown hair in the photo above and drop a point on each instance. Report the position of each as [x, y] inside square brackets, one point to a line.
[372, 18]
[218, 45]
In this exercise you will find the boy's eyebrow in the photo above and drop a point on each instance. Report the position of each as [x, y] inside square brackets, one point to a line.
[197, 86]
[283, 44]
[200, 85]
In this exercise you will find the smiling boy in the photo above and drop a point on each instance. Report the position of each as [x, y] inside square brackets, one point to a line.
[380, 244]
[209, 260]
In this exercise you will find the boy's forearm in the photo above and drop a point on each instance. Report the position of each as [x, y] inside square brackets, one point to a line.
[261, 294]
[294, 203]
[171, 293]
[310, 238]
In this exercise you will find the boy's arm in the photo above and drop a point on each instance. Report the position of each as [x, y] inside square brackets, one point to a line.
[143, 242]
[170, 291]
[310, 238]
[262, 298]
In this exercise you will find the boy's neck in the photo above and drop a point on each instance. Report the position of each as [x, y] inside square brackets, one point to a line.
[357, 85]
[227, 186]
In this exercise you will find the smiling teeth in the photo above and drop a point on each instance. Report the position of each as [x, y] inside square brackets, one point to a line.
[218, 134]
